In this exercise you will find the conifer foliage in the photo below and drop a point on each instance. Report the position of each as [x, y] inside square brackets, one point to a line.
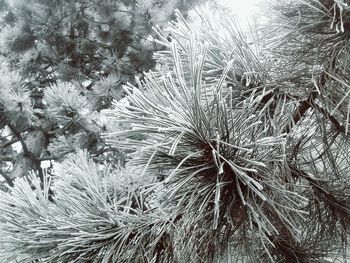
[62, 62]
[237, 150]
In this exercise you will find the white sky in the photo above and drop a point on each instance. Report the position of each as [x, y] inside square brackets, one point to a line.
[243, 9]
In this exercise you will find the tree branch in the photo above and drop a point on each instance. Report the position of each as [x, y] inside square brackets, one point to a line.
[300, 111]
[48, 158]
[328, 196]
[309, 102]
[7, 144]
[8, 180]
[19, 136]
[338, 126]
[6, 158]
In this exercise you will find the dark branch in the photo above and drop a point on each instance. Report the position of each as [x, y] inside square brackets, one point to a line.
[338, 126]
[300, 111]
[8, 180]
[331, 198]
[7, 144]
[309, 102]
[19, 136]
[6, 158]
[48, 158]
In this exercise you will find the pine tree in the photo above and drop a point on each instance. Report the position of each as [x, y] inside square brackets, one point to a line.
[237, 150]
[62, 62]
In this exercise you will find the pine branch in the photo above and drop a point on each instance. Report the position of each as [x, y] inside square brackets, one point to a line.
[19, 137]
[8, 179]
[331, 199]
[28, 160]
[301, 111]
[338, 126]
[9, 143]
[48, 158]
[305, 105]
[6, 158]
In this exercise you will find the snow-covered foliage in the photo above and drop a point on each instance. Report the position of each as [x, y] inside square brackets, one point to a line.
[234, 148]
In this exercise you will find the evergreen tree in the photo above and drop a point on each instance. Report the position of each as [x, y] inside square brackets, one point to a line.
[61, 63]
[237, 150]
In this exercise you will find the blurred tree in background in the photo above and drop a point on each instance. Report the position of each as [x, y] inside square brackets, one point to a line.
[235, 146]
[61, 63]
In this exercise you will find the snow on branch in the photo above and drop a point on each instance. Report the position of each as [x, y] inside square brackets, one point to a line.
[94, 214]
